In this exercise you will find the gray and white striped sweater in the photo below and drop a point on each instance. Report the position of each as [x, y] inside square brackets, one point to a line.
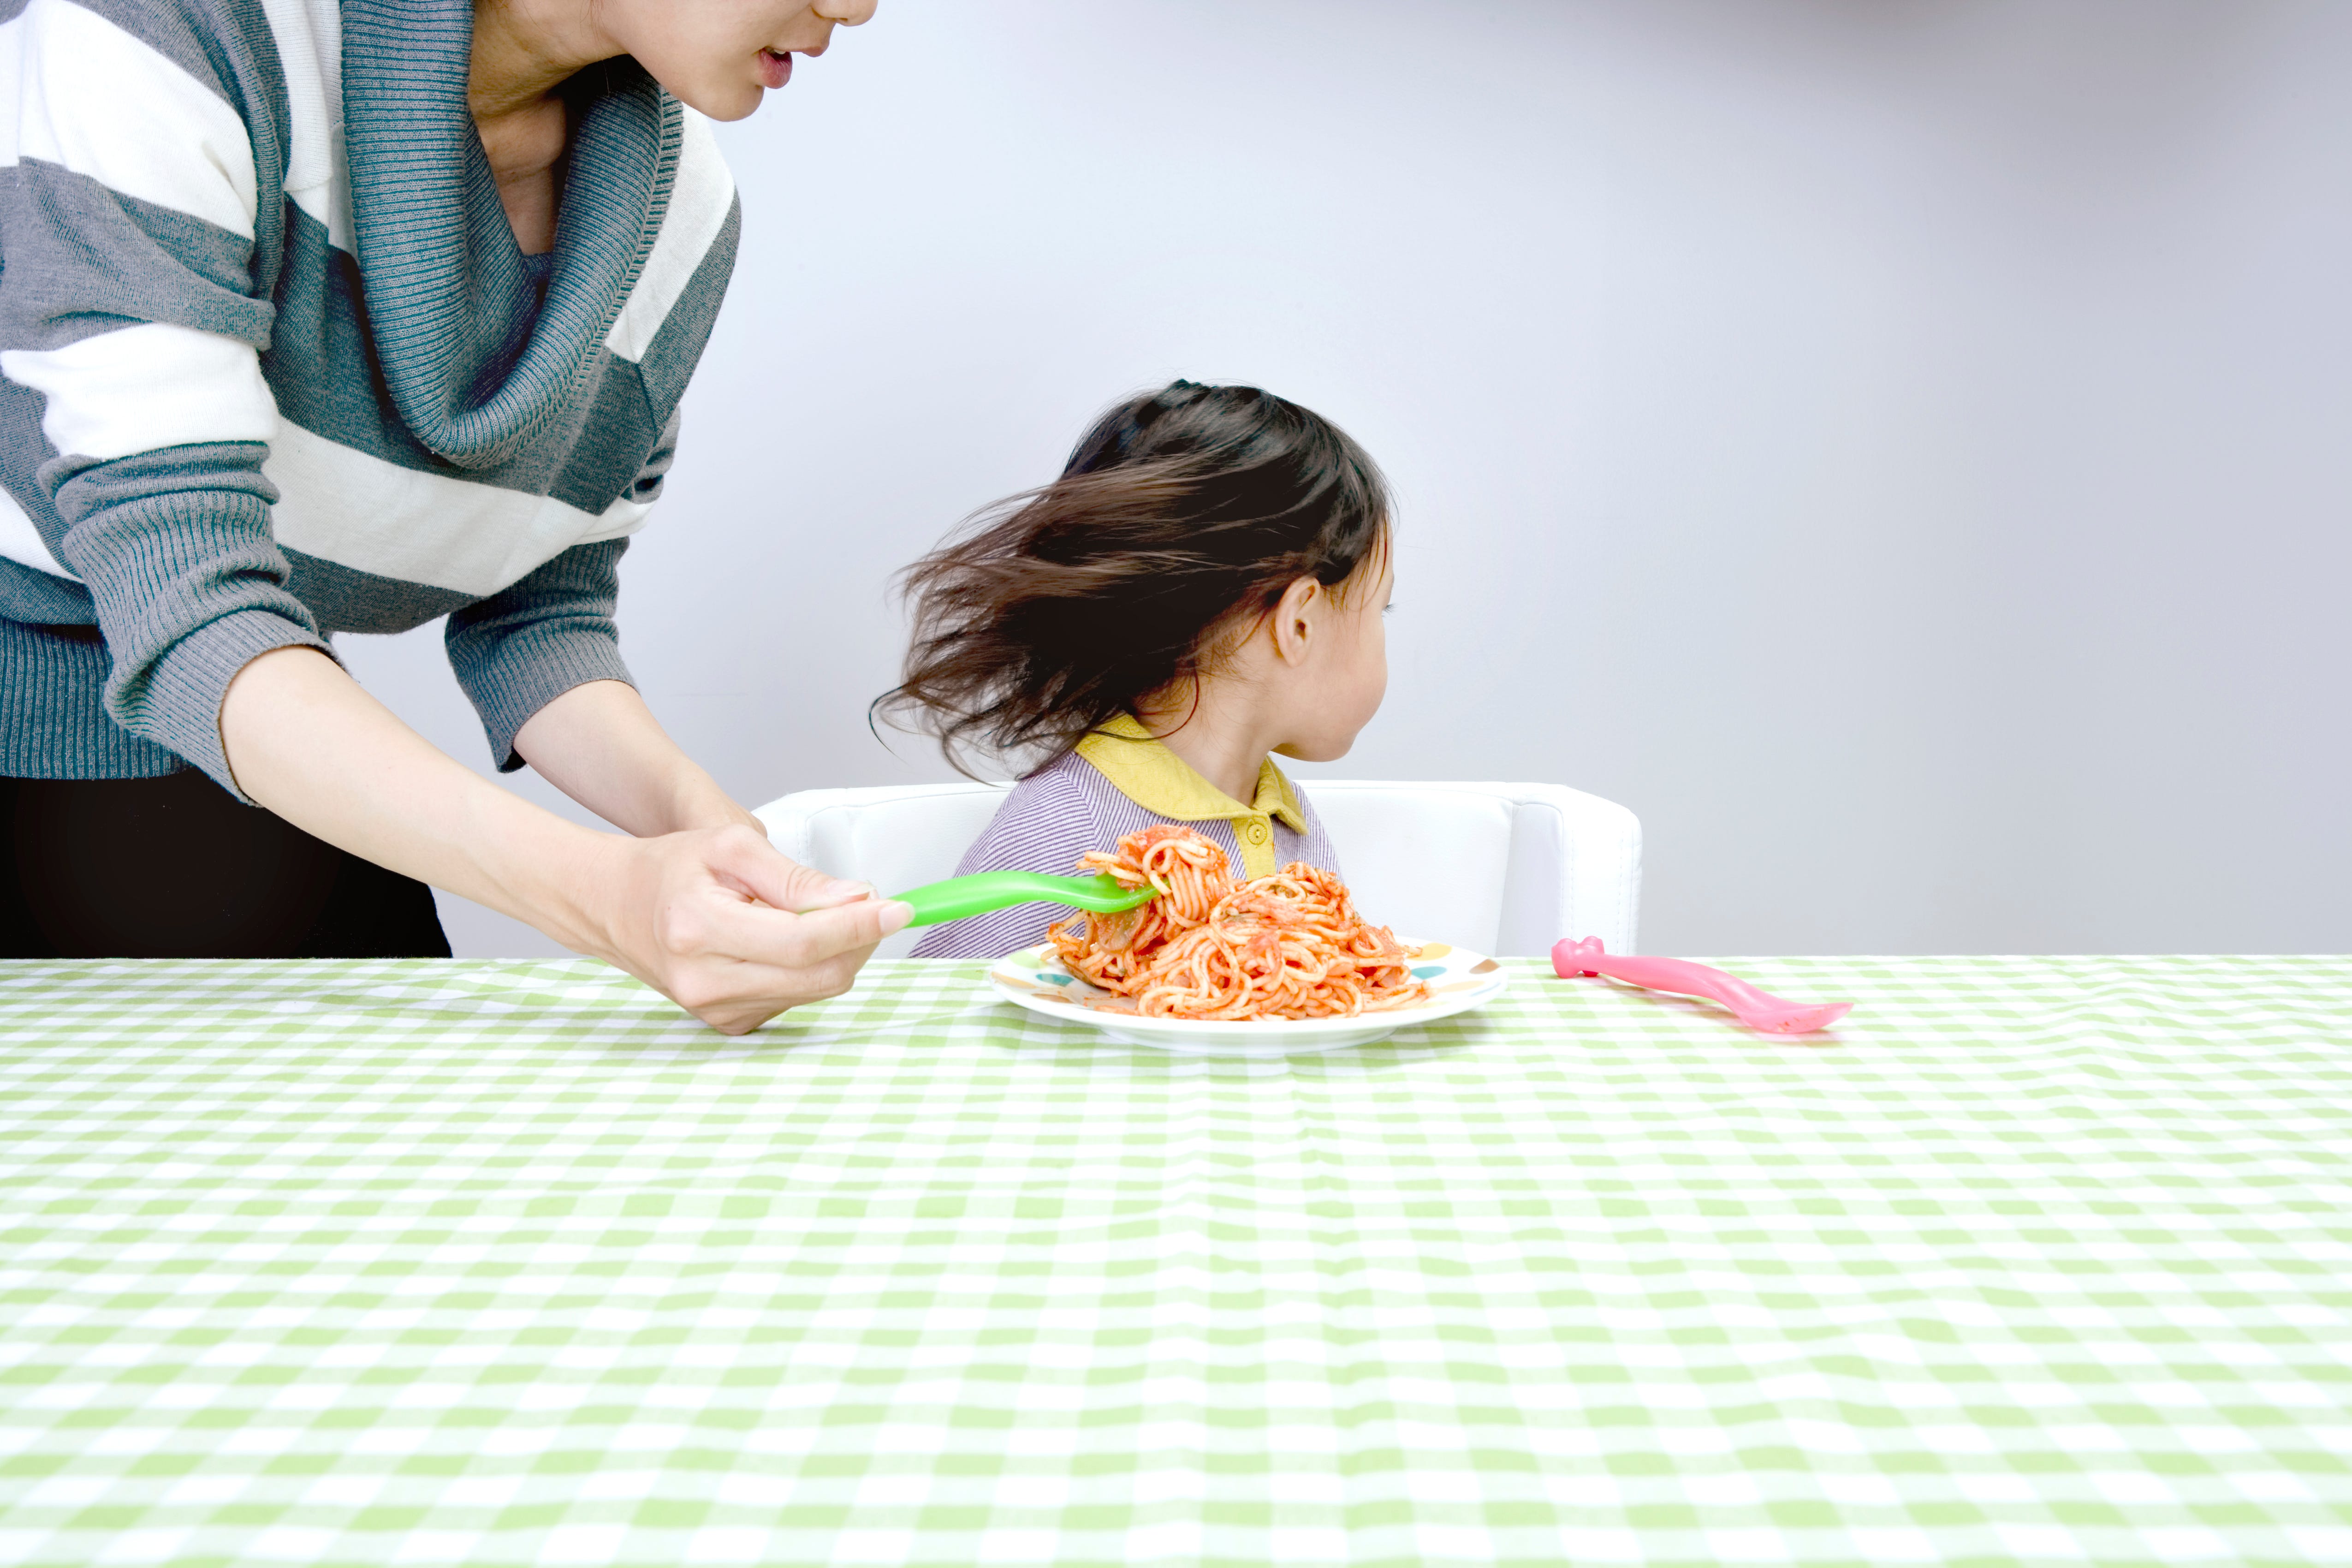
[272, 366]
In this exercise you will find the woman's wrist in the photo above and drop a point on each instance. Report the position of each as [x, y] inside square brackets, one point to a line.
[715, 917]
[558, 876]
[599, 744]
[697, 801]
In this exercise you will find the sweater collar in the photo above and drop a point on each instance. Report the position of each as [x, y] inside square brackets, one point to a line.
[474, 372]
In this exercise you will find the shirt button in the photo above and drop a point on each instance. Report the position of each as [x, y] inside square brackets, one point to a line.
[1256, 832]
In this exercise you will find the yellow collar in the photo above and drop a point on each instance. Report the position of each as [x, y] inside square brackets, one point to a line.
[1163, 783]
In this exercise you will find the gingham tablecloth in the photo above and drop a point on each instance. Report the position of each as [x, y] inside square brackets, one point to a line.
[2043, 1260]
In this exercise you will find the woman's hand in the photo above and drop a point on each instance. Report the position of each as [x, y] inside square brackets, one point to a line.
[732, 931]
[711, 917]
[698, 907]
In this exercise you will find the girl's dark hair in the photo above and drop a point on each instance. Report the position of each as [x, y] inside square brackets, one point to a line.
[1056, 609]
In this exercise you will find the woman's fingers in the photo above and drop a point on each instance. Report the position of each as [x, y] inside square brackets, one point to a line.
[848, 928]
[768, 875]
[780, 939]
[735, 933]
[734, 997]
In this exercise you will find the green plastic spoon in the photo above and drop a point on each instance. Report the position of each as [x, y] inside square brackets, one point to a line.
[977, 894]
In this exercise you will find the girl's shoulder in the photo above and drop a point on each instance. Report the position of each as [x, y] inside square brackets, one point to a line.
[1045, 822]
[1314, 846]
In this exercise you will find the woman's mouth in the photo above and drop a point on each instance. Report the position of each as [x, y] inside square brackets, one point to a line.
[775, 69]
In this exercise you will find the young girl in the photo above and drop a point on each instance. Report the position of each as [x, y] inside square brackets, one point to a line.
[1201, 588]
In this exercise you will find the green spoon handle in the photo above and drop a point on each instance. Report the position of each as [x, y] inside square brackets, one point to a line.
[978, 894]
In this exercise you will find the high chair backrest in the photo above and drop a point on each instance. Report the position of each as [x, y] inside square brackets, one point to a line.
[1506, 869]
[1503, 869]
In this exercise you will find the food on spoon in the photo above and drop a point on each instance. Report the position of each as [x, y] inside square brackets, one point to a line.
[1290, 945]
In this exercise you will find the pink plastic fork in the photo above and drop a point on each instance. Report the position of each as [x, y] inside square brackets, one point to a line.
[1752, 1007]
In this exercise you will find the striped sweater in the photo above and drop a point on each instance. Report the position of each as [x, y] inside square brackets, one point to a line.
[272, 365]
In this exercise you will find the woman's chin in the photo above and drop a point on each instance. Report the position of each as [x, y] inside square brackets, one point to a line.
[716, 96]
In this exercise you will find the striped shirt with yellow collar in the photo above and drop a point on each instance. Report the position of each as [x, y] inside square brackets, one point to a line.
[1120, 780]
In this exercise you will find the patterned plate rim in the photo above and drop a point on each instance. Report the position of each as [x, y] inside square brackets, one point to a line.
[1055, 1000]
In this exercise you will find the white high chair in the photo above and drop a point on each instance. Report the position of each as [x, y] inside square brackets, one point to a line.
[1501, 869]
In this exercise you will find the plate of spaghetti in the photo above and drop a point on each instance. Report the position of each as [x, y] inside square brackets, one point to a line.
[1267, 966]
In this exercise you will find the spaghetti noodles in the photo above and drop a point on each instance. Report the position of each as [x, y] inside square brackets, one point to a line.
[1290, 945]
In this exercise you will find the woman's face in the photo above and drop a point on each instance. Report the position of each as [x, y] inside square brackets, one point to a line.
[722, 55]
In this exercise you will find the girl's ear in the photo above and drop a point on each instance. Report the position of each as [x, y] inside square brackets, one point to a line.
[1295, 617]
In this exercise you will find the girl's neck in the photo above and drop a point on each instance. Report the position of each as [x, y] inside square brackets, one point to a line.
[1216, 731]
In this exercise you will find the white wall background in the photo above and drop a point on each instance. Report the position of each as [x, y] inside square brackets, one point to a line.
[1899, 449]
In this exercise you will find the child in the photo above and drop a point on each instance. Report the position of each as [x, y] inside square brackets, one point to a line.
[1202, 587]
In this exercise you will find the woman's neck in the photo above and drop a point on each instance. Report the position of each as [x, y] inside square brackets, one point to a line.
[523, 51]
[1216, 729]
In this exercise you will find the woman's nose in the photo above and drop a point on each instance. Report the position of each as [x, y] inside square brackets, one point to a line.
[846, 12]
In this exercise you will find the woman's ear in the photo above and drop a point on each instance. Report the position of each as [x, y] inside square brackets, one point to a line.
[1298, 618]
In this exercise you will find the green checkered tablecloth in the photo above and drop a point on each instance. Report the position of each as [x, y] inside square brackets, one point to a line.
[2041, 1260]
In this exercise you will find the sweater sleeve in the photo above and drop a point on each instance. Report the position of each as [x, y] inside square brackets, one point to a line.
[522, 648]
[129, 313]
[526, 646]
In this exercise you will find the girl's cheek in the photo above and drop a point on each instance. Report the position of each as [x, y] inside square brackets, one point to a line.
[1376, 666]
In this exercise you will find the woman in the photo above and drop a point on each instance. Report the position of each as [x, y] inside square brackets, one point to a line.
[319, 317]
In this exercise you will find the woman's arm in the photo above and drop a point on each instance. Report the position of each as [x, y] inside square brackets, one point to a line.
[600, 745]
[541, 661]
[713, 917]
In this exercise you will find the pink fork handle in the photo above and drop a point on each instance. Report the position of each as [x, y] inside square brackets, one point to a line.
[1569, 959]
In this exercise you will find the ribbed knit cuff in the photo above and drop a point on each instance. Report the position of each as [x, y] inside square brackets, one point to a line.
[53, 723]
[181, 704]
[513, 676]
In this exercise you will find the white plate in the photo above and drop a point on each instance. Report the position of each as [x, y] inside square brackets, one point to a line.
[1034, 978]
